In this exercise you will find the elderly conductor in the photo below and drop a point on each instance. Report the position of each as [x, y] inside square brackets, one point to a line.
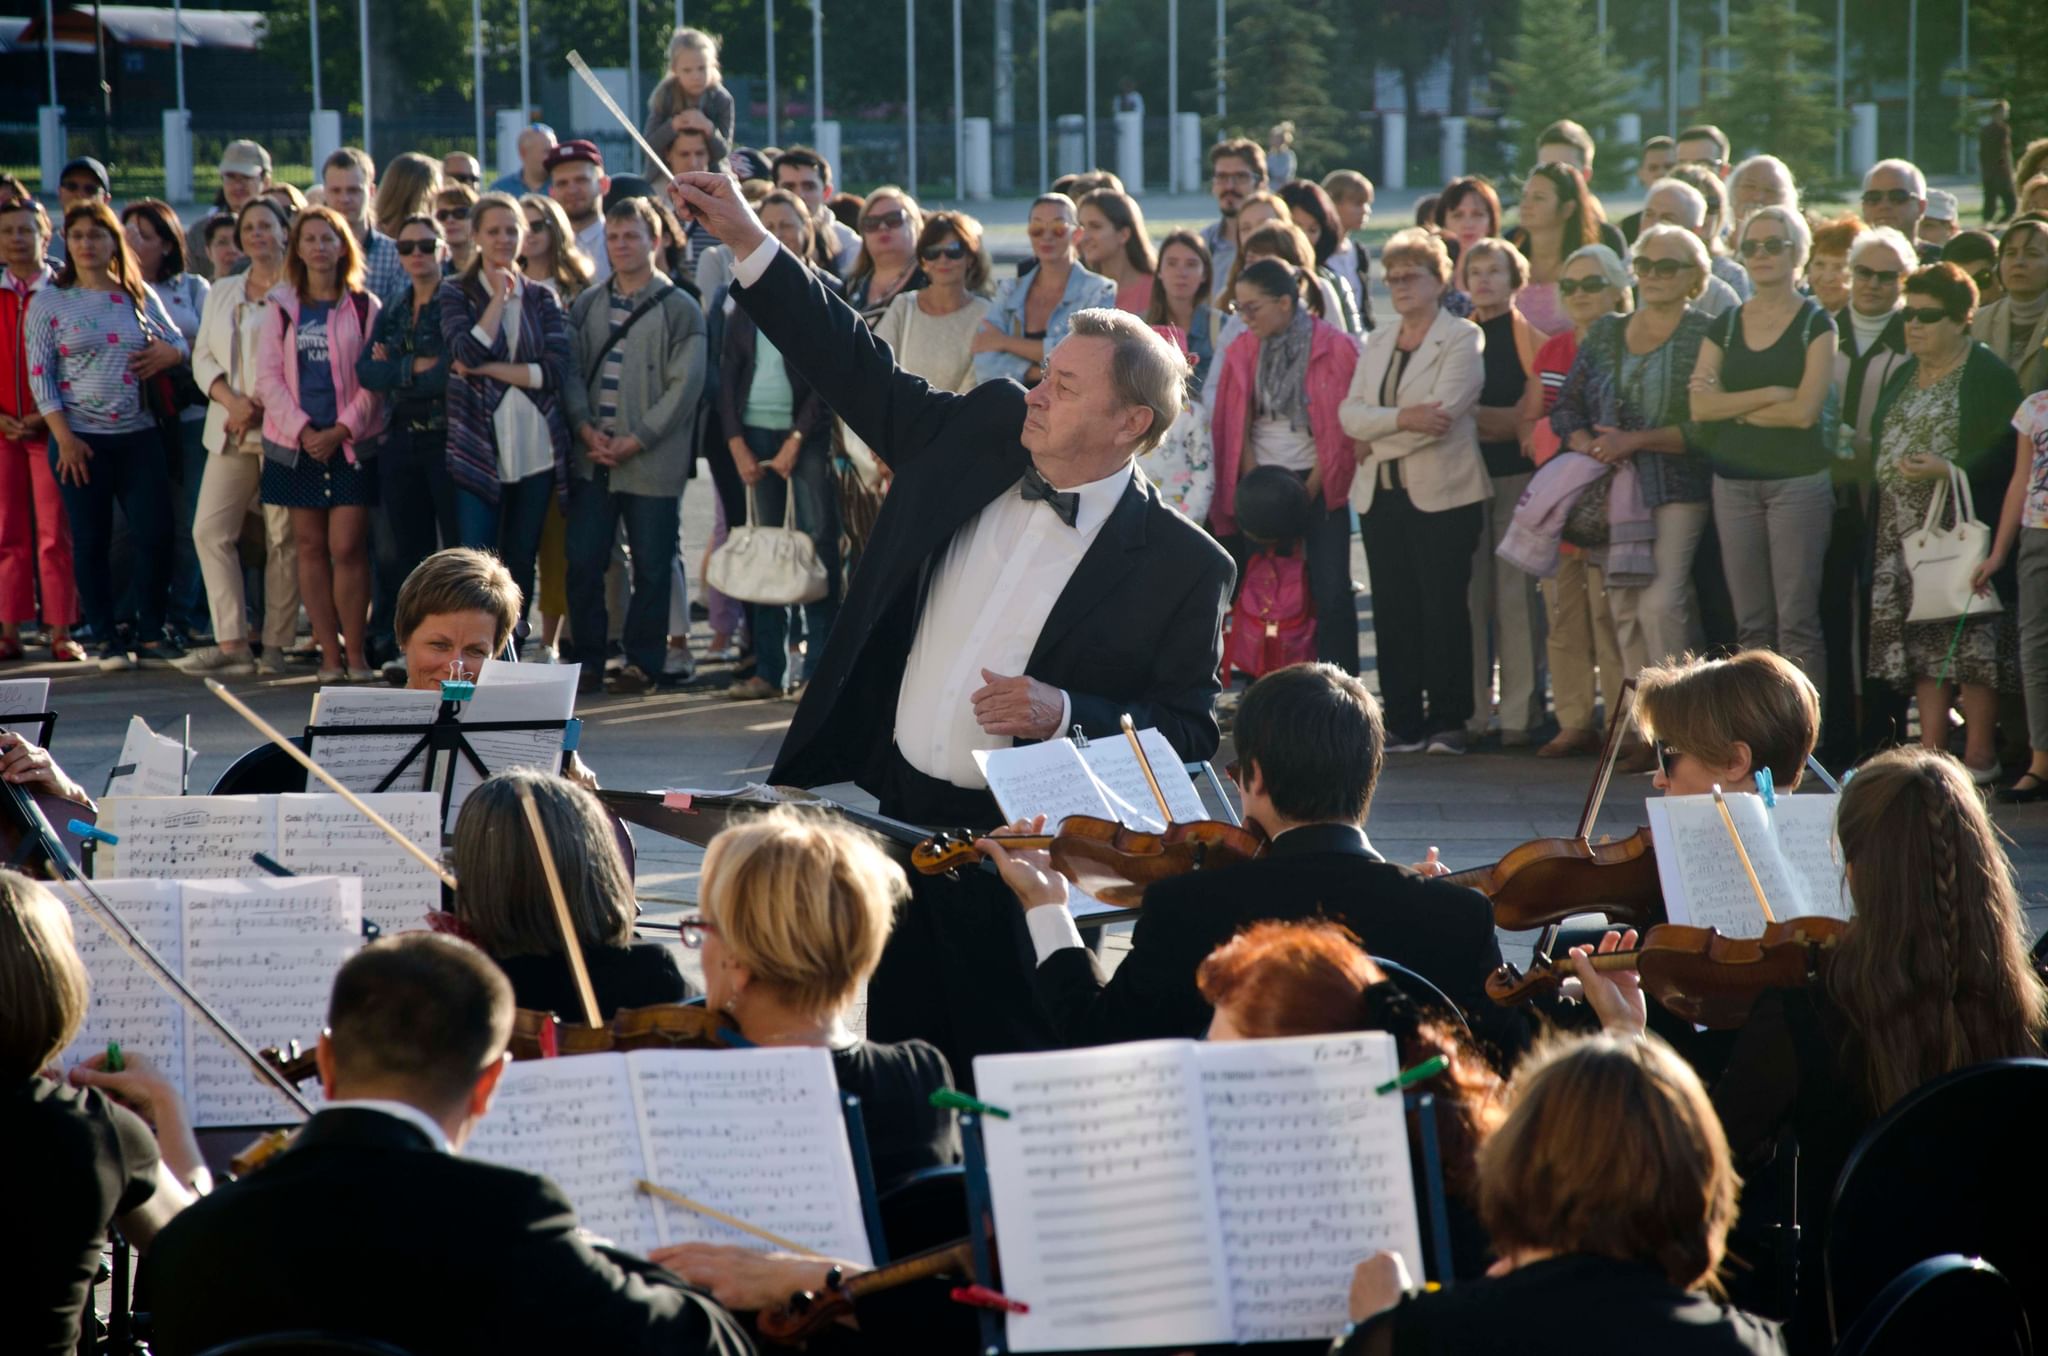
[1023, 577]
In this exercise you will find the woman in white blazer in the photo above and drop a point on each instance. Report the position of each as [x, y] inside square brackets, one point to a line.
[1418, 491]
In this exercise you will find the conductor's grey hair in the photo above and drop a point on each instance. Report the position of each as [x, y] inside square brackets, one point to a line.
[1144, 368]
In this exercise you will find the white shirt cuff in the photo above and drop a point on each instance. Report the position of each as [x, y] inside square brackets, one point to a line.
[1066, 716]
[1052, 929]
[748, 271]
[483, 336]
[536, 376]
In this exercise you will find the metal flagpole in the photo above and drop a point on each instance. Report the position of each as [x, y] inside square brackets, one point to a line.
[1219, 63]
[178, 46]
[769, 11]
[633, 55]
[1089, 24]
[1671, 64]
[817, 67]
[1173, 183]
[363, 25]
[1044, 146]
[50, 46]
[1963, 61]
[910, 93]
[1841, 81]
[959, 112]
[1912, 74]
[476, 42]
[525, 66]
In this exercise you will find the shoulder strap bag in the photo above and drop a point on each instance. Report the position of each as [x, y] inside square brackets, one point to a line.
[619, 330]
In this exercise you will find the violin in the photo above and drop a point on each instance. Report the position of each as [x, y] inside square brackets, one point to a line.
[1701, 976]
[1547, 880]
[809, 1313]
[660, 1026]
[1109, 861]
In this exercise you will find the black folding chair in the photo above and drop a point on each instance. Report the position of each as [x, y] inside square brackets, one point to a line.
[1948, 1303]
[924, 1209]
[1951, 1169]
[1422, 991]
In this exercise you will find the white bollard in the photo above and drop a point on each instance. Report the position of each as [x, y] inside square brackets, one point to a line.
[53, 145]
[1193, 154]
[1862, 137]
[828, 144]
[1628, 130]
[1072, 157]
[1130, 151]
[177, 156]
[1393, 149]
[511, 122]
[326, 137]
[1453, 148]
[976, 158]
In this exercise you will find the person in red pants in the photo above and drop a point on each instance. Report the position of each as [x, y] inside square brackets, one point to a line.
[35, 533]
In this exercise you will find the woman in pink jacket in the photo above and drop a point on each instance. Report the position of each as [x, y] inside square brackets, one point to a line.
[1276, 405]
[317, 426]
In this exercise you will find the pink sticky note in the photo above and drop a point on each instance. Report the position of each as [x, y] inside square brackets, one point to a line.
[675, 800]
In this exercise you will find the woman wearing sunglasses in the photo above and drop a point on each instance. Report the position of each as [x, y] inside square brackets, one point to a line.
[930, 329]
[890, 227]
[1951, 404]
[1627, 399]
[1031, 313]
[2015, 326]
[1761, 392]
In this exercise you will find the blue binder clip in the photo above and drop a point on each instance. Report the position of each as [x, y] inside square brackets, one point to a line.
[572, 734]
[457, 692]
[1767, 787]
[92, 833]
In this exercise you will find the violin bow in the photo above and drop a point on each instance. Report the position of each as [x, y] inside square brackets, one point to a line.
[570, 944]
[583, 72]
[1741, 852]
[1624, 710]
[1145, 766]
[676, 1198]
[299, 756]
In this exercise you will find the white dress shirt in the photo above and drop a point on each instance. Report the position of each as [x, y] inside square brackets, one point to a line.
[1015, 550]
[591, 241]
[526, 445]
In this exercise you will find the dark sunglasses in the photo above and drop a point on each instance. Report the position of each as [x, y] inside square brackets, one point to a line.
[951, 250]
[1666, 756]
[1774, 244]
[1661, 268]
[1924, 315]
[84, 189]
[1895, 196]
[1567, 286]
[1984, 279]
[470, 179]
[405, 247]
[1887, 276]
[452, 214]
[884, 221]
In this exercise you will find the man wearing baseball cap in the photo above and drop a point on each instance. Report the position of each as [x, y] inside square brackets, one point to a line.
[1938, 222]
[244, 174]
[82, 180]
[576, 181]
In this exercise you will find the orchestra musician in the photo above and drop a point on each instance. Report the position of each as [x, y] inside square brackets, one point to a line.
[1309, 750]
[1931, 974]
[1313, 979]
[87, 1160]
[28, 765]
[1718, 722]
[504, 906]
[373, 1224]
[1022, 579]
[1609, 1191]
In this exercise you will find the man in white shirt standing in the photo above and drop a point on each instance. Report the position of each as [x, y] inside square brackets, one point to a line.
[577, 181]
[1022, 580]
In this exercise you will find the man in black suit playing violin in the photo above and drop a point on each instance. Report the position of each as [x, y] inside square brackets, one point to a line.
[370, 1224]
[1023, 578]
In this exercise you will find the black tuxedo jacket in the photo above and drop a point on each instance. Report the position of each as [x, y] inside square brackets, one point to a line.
[1138, 629]
[362, 1227]
[1443, 932]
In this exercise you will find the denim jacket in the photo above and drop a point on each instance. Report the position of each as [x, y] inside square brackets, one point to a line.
[419, 399]
[1084, 290]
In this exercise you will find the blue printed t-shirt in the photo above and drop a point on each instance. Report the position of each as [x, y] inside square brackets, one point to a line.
[316, 375]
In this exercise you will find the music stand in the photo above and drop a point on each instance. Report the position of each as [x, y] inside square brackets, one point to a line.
[446, 737]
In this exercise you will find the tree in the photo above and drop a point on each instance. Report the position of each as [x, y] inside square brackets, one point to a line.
[1560, 70]
[2012, 44]
[1278, 68]
[1774, 96]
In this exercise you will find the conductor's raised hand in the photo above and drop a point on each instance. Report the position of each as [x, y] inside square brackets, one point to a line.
[714, 199]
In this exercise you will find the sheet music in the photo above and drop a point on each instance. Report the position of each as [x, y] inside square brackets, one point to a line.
[1116, 767]
[1047, 779]
[158, 762]
[1702, 876]
[325, 835]
[758, 1134]
[185, 837]
[514, 692]
[128, 1004]
[1312, 1175]
[574, 1122]
[25, 697]
[1105, 1199]
[263, 953]
[359, 762]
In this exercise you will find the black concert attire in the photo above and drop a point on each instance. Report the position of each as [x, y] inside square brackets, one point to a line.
[365, 1227]
[1615, 1309]
[82, 1161]
[1443, 932]
[1136, 628]
[906, 1133]
[636, 976]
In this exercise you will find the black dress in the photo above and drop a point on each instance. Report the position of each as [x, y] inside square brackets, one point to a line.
[635, 976]
[81, 1162]
[906, 1133]
[1575, 1305]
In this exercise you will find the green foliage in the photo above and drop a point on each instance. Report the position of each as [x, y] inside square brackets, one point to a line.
[2011, 44]
[1775, 95]
[1278, 65]
[1558, 71]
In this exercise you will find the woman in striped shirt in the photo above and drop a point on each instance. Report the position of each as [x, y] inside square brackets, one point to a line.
[93, 340]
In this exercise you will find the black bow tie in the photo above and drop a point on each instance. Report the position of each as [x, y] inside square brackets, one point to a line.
[1066, 503]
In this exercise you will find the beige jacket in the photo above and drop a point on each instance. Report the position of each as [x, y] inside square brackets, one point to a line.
[1992, 327]
[1446, 368]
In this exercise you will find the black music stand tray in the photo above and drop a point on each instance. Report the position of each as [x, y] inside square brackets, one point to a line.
[445, 742]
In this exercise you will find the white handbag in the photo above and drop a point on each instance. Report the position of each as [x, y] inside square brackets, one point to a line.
[1942, 559]
[772, 566]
